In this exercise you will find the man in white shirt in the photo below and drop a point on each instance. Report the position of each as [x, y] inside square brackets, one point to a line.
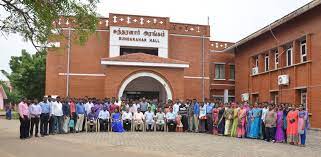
[176, 106]
[149, 116]
[160, 120]
[264, 112]
[57, 115]
[103, 117]
[139, 120]
[170, 118]
[127, 119]
[88, 105]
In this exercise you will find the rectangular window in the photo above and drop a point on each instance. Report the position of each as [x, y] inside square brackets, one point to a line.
[266, 63]
[232, 72]
[257, 61]
[219, 71]
[276, 59]
[303, 50]
[289, 57]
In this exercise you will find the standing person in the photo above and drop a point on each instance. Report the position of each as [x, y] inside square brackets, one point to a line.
[202, 117]
[80, 110]
[44, 117]
[66, 115]
[264, 111]
[241, 126]
[221, 121]
[236, 110]
[116, 124]
[255, 124]
[292, 127]
[73, 114]
[8, 110]
[249, 120]
[143, 105]
[184, 118]
[51, 119]
[190, 111]
[127, 120]
[279, 135]
[35, 112]
[57, 115]
[103, 119]
[228, 119]
[285, 124]
[270, 124]
[176, 106]
[113, 106]
[215, 112]
[209, 117]
[303, 125]
[24, 118]
[196, 114]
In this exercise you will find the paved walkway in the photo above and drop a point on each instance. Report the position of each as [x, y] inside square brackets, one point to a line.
[150, 144]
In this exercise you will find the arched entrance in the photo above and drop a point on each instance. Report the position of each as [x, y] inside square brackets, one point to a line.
[145, 84]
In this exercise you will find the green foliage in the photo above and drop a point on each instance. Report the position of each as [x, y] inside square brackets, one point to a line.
[28, 74]
[33, 19]
[13, 96]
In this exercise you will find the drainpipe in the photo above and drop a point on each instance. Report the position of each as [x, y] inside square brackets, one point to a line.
[203, 74]
[68, 62]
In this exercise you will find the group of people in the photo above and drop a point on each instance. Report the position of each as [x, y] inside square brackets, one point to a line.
[281, 123]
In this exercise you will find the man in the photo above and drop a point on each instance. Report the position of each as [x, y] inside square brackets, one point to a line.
[103, 117]
[80, 110]
[91, 120]
[270, 124]
[202, 117]
[143, 105]
[66, 115]
[196, 114]
[139, 120]
[57, 115]
[127, 119]
[149, 116]
[176, 106]
[160, 120]
[264, 111]
[170, 118]
[88, 105]
[44, 117]
[24, 118]
[209, 116]
[183, 112]
[35, 112]
[51, 119]
[73, 114]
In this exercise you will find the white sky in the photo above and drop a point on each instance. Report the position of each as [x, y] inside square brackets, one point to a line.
[230, 20]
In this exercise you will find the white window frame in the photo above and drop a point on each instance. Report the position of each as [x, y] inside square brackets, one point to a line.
[266, 63]
[276, 59]
[287, 57]
[220, 78]
[301, 50]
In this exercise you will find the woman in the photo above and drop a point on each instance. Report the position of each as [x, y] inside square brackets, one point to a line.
[255, 123]
[235, 120]
[221, 120]
[116, 124]
[303, 124]
[241, 122]
[279, 135]
[215, 112]
[249, 120]
[292, 127]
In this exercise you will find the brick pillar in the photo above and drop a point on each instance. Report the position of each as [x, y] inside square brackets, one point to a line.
[282, 56]
[296, 52]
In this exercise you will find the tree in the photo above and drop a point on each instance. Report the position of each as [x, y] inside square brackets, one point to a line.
[28, 74]
[13, 96]
[34, 19]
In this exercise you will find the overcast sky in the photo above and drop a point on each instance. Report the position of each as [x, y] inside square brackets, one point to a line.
[230, 20]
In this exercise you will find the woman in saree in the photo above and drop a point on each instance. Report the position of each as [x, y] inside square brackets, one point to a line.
[241, 122]
[256, 122]
[303, 125]
[235, 120]
[221, 120]
[249, 120]
[117, 125]
[215, 120]
[292, 126]
[279, 135]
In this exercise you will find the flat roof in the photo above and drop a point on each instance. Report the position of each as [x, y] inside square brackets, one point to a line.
[276, 23]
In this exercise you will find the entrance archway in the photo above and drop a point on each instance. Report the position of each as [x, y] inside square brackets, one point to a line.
[146, 83]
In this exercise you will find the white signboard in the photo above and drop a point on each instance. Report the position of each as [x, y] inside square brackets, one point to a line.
[138, 37]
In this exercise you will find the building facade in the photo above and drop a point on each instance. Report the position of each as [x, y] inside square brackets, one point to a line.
[281, 63]
[135, 56]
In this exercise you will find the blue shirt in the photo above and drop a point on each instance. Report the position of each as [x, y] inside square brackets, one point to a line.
[45, 107]
[196, 109]
[209, 108]
[80, 109]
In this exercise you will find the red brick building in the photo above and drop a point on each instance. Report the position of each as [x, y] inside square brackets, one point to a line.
[282, 62]
[133, 56]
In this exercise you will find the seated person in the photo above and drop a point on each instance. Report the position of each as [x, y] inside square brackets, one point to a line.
[138, 120]
[127, 119]
[116, 124]
[149, 117]
[103, 117]
[160, 120]
[91, 120]
[171, 120]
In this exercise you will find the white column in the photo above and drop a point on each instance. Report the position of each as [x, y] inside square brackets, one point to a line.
[225, 95]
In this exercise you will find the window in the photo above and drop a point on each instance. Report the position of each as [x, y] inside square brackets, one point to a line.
[303, 50]
[232, 72]
[219, 71]
[276, 59]
[257, 61]
[289, 57]
[266, 62]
